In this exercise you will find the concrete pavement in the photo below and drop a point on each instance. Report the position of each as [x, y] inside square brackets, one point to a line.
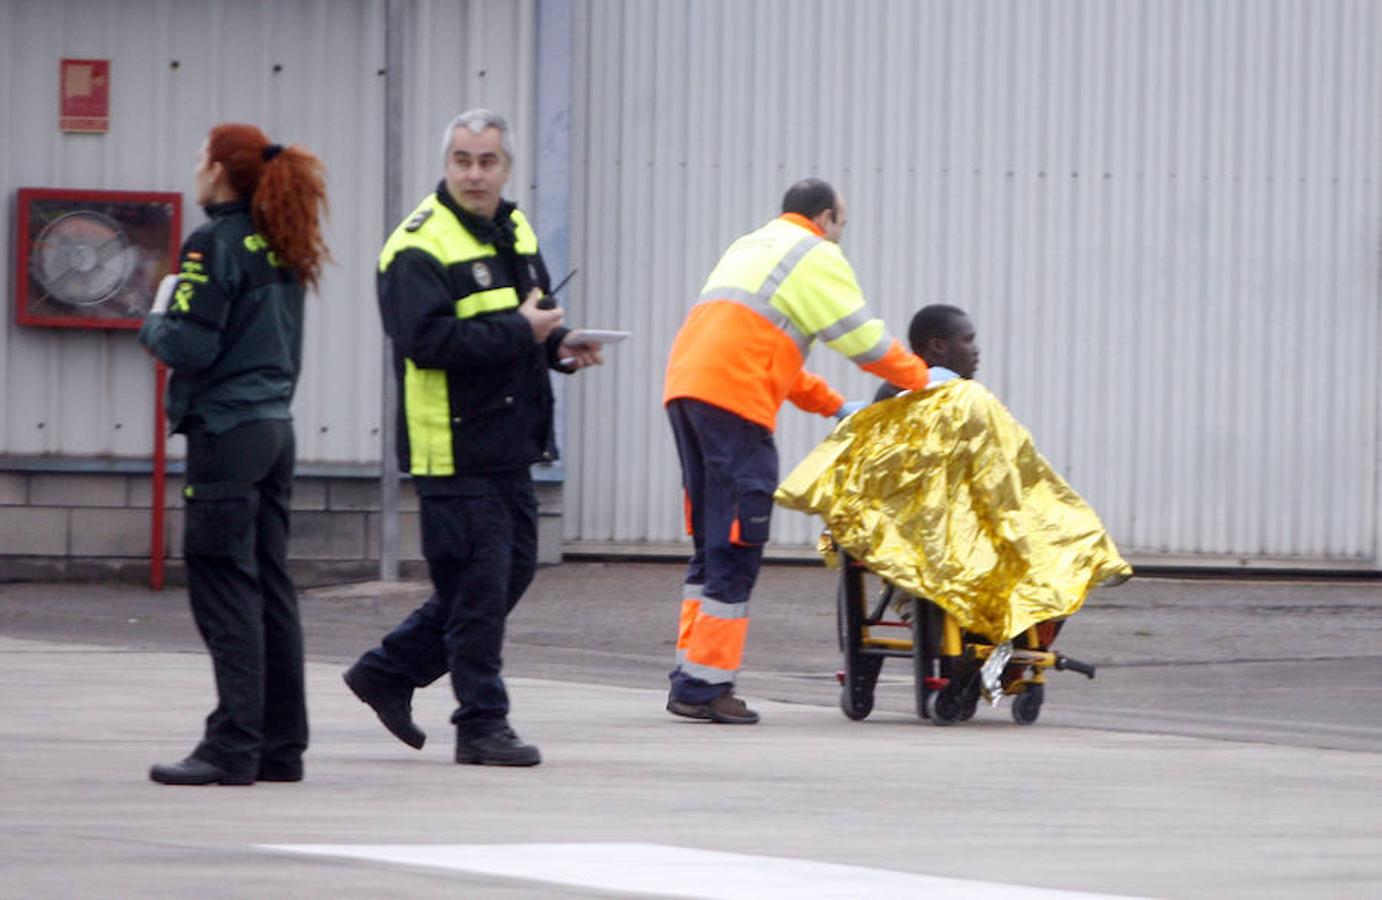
[1229, 747]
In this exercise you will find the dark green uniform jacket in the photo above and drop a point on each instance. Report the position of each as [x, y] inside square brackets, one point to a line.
[233, 330]
[474, 394]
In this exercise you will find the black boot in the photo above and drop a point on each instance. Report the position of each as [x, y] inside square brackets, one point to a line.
[196, 771]
[272, 770]
[500, 747]
[393, 704]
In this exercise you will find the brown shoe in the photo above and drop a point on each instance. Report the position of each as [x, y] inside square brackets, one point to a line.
[726, 709]
[688, 710]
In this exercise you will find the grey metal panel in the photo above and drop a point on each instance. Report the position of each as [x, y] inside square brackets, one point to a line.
[1164, 218]
[306, 71]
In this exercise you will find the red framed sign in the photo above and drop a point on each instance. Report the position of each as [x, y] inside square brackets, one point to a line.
[92, 259]
[84, 95]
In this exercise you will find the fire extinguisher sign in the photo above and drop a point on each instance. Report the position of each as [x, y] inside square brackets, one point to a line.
[84, 95]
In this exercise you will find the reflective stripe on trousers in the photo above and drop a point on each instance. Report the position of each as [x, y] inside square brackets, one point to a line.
[710, 637]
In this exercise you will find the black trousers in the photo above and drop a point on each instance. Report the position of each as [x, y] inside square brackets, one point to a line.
[479, 537]
[236, 547]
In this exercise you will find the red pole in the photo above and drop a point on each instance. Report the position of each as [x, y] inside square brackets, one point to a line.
[160, 470]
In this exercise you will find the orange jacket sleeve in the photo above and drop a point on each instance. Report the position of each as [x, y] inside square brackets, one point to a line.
[812, 393]
[900, 366]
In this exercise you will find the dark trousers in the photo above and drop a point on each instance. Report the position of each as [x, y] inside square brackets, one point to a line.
[481, 550]
[729, 472]
[235, 543]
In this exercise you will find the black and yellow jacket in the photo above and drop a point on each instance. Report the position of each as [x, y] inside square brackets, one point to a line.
[474, 395]
[233, 330]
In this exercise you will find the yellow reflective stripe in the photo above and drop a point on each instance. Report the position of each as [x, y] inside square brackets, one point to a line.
[192, 276]
[428, 409]
[486, 301]
[525, 239]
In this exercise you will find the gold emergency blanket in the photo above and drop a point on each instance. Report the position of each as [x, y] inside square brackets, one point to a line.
[942, 493]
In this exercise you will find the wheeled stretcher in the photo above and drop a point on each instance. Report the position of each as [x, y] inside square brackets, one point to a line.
[953, 669]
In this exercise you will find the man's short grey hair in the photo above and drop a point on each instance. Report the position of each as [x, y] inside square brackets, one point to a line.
[477, 120]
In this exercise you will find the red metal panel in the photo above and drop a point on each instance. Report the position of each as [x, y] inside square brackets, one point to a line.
[92, 259]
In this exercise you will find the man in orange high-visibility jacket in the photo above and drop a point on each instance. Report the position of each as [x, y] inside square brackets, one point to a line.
[738, 355]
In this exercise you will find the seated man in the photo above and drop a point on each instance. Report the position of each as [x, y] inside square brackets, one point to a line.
[944, 337]
[943, 494]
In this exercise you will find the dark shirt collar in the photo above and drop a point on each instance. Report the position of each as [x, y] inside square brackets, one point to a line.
[224, 209]
[498, 231]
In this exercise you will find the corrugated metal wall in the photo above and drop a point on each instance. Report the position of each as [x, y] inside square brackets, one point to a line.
[1163, 216]
[307, 71]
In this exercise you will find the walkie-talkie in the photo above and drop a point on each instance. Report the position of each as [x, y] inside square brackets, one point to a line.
[549, 300]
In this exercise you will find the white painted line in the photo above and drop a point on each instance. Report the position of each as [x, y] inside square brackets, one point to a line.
[654, 869]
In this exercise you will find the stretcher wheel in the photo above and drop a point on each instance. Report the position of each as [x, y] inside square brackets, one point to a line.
[854, 712]
[946, 707]
[861, 677]
[968, 707]
[1027, 705]
[861, 669]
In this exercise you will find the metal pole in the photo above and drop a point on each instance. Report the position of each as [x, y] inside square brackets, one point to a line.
[156, 549]
[552, 199]
[393, 199]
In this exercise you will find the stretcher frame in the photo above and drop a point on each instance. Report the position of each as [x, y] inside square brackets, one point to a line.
[946, 671]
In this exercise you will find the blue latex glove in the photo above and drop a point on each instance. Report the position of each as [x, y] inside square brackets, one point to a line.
[849, 408]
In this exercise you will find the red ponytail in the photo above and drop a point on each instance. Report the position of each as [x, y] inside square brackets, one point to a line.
[287, 194]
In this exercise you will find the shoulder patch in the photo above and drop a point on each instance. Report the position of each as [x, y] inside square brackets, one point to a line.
[418, 218]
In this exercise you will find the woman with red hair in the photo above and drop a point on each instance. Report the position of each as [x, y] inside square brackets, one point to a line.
[229, 325]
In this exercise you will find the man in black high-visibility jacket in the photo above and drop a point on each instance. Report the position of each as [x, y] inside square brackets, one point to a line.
[460, 285]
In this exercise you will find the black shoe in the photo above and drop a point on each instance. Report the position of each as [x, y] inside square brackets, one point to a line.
[279, 771]
[196, 771]
[496, 748]
[394, 706]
